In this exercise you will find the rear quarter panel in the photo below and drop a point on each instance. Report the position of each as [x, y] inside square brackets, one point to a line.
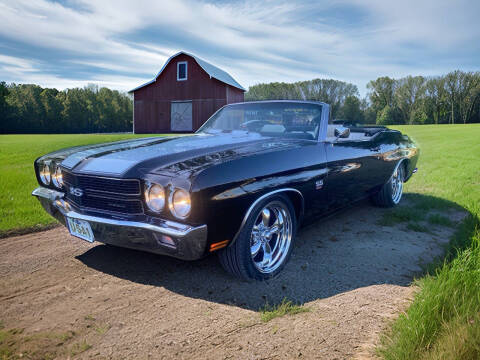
[394, 147]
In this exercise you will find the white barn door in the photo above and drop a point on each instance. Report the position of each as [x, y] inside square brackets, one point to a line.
[181, 116]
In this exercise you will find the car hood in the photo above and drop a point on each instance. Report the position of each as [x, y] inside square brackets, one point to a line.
[166, 155]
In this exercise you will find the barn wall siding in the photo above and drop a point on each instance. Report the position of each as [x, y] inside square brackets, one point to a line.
[152, 102]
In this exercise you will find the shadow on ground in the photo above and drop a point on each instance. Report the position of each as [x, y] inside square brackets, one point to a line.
[348, 250]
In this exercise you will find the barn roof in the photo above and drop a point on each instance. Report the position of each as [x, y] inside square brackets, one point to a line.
[211, 70]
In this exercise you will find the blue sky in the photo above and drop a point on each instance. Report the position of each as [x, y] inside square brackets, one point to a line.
[122, 44]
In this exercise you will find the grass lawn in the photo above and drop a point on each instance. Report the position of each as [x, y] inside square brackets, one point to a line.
[443, 321]
[18, 209]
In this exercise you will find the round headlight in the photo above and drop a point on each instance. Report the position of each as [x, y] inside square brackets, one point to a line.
[180, 203]
[45, 175]
[155, 197]
[57, 177]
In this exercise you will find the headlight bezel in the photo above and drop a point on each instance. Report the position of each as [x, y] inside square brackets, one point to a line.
[45, 176]
[147, 196]
[171, 203]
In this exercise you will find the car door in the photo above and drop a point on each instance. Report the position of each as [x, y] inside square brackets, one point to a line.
[313, 183]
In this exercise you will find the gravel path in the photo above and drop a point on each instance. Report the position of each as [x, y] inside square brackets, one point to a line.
[350, 272]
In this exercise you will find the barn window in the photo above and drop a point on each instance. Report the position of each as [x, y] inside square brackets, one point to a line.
[181, 71]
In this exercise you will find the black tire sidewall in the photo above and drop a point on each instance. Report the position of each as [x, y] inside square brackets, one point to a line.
[384, 197]
[388, 201]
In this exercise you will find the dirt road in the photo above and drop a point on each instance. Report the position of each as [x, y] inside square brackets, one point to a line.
[61, 297]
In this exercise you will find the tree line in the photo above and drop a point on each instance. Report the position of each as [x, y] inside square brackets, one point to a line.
[27, 108]
[447, 99]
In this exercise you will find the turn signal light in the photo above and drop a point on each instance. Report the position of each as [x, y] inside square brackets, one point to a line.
[218, 245]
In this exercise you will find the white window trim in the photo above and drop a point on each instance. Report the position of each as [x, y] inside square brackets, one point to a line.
[186, 70]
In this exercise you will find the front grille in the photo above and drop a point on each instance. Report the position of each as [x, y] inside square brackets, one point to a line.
[105, 194]
[131, 207]
[102, 184]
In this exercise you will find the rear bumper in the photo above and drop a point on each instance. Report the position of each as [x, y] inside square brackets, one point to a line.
[154, 235]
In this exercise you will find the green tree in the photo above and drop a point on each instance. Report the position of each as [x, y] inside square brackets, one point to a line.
[52, 109]
[409, 94]
[386, 116]
[351, 109]
[434, 101]
[452, 83]
[382, 93]
[4, 107]
[469, 94]
[31, 109]
[27, 110]
[418, 117]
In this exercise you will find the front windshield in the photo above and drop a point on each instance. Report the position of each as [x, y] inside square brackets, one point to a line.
[273, 119]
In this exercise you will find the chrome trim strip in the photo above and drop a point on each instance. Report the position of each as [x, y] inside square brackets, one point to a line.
[168, 227]
[250, 209]
[106, 192]
[109, 198]
[112, 212]
[279, 101]
[322, 132]
[181, 231]
[48, 194]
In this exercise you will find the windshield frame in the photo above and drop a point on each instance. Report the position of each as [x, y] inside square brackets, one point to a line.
[325, 110]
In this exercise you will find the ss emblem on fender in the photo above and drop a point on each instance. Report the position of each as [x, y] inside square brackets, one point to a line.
[76, 191]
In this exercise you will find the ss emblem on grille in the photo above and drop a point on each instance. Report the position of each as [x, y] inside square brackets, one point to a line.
[76, 191]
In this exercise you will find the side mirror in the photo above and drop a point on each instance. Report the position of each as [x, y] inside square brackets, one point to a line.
[342, 132]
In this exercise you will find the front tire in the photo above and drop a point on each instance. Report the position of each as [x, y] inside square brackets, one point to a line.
[391, 193]
[265, 242]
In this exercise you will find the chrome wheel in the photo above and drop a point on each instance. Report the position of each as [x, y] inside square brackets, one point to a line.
[271, 237]
[397, 184]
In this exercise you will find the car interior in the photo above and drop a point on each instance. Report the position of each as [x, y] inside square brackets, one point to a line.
[295, 132]
[299, 125]
[356, 133]
[310, 132]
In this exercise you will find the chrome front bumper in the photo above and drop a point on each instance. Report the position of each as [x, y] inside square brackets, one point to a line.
[154, 235]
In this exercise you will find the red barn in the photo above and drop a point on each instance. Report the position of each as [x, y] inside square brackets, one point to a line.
[182, 96]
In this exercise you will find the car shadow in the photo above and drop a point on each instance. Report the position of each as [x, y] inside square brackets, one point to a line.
[346, 251]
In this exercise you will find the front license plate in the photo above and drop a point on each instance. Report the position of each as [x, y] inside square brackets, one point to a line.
[81, 229]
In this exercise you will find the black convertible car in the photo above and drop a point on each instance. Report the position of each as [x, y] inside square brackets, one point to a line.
[240, 186]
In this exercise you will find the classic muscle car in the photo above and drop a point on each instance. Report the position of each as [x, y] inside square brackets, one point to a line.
[240, 186]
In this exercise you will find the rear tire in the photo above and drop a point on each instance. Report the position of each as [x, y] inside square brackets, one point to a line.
[265, 242]
[391, 193]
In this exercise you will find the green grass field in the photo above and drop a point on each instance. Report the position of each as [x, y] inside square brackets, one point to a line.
[443, 320]
[19, 211]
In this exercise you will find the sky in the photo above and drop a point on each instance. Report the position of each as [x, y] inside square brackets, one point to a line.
[122, 44]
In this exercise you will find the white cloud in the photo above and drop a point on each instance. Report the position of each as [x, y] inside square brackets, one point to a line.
[16, 64]
[254, 41]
